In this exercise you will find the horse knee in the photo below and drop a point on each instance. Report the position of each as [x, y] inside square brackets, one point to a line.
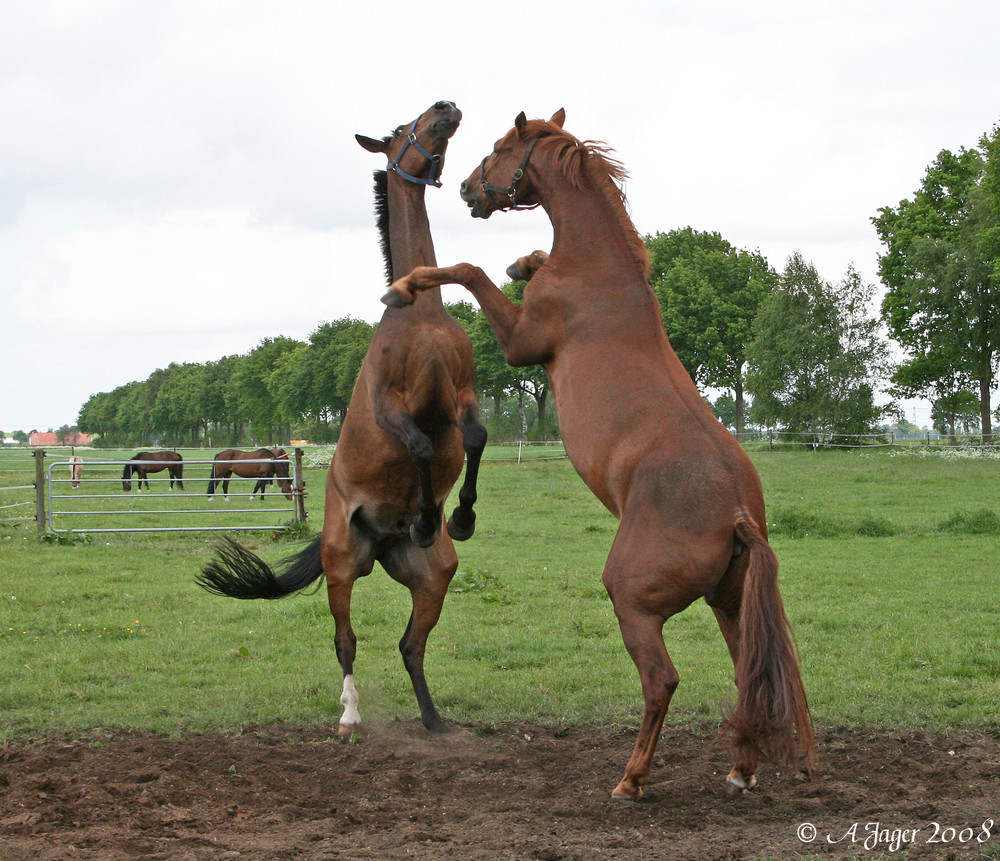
[420, 448]
[474, 437]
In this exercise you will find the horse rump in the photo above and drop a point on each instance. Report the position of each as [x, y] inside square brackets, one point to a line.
[238, 573]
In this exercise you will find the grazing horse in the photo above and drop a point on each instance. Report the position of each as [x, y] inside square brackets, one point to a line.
[688, 499]
[75, 470]
[264, 464]
[413, 419]
[146, 462]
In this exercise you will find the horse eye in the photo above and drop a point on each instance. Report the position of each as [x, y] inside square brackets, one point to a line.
[397, 131]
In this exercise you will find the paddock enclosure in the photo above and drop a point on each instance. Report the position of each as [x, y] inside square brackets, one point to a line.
[140, 719]
[84, 493]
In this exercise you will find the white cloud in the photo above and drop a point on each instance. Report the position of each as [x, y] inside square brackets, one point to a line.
[203, 150]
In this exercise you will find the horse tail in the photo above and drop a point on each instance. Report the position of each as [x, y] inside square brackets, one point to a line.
[771, 718]
[238, 573]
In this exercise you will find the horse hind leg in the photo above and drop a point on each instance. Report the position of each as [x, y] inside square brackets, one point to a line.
[743, 774]
[462, 522]
[427, 576]
[643, 637]
[346, 644]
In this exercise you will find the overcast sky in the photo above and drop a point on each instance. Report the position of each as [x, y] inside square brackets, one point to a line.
[179, 180]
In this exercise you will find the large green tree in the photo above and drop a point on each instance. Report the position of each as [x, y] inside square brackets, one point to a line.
[710, 293]
[249, 393]
[942, 270]
[816, 359]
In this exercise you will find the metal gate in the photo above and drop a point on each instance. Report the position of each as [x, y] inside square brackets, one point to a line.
[100, 494]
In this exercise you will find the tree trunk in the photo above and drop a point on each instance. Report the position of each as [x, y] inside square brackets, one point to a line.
[984, 410]
[738, 400]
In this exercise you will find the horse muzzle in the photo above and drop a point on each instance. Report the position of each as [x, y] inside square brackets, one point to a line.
[478, 201]
[448, 118]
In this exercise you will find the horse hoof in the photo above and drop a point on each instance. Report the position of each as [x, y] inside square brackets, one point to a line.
[738, 781]
[625, 791]
[396, 300]
[421, 540]
[462, 533]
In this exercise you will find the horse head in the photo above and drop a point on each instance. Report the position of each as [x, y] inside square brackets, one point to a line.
[281, 471]
[508, 163]
[126, 475]
[416, 151]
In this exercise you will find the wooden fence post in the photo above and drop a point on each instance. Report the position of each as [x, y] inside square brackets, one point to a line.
[39, 455]
[299, 489]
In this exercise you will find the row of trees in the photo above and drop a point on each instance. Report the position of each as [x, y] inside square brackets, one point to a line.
[810, 355]
[285, 389]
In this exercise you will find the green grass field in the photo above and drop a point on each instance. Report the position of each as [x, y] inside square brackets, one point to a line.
[887, 568]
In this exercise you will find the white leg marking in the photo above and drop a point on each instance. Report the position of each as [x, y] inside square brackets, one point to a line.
[349, 700]
[740, 782]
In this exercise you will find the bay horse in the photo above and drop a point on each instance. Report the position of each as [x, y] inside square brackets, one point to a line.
[75, 470]
[146, 462]
[688, 500]
[263, 464]
[412, 420]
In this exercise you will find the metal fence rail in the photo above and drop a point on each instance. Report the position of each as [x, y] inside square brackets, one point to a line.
[55, 504]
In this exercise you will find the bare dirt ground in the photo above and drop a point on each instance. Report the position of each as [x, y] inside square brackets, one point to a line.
[514, 792]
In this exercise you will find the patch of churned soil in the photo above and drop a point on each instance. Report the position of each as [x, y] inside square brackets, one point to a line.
[514, 792]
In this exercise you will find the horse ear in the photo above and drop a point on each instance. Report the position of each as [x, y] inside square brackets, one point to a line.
[371, 144]
[559, 117]
[519, 122]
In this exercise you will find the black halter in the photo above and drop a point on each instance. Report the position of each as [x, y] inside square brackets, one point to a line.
[510, 192]
[435, 160]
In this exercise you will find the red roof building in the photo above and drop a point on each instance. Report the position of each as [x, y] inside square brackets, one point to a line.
[50, 439]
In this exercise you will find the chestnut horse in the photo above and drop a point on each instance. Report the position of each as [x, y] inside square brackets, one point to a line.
[262, 464]
[75, 470]
[413, 419]
[688, 500]
[146, 462]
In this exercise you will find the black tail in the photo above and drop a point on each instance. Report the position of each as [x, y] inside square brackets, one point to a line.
[238, 573]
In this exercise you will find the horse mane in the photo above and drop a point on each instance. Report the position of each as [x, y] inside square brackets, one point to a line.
[581, 160]
[382, 220]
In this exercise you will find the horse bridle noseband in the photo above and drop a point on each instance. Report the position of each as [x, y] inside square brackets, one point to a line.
[510, 192]
[435, 160]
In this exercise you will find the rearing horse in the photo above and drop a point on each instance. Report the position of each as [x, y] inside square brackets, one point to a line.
[688, 499]
[412, 420]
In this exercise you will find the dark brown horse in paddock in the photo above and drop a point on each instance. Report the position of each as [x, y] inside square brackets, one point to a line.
[264, 464]
[413, 418]
[688, 500]
[146, 462]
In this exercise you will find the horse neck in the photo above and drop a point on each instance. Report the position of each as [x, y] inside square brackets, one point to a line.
[586, 227]
[410, 243]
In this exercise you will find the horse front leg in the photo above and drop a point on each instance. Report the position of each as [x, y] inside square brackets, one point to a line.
[523, 341]
[427, 523]
[462, 522]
